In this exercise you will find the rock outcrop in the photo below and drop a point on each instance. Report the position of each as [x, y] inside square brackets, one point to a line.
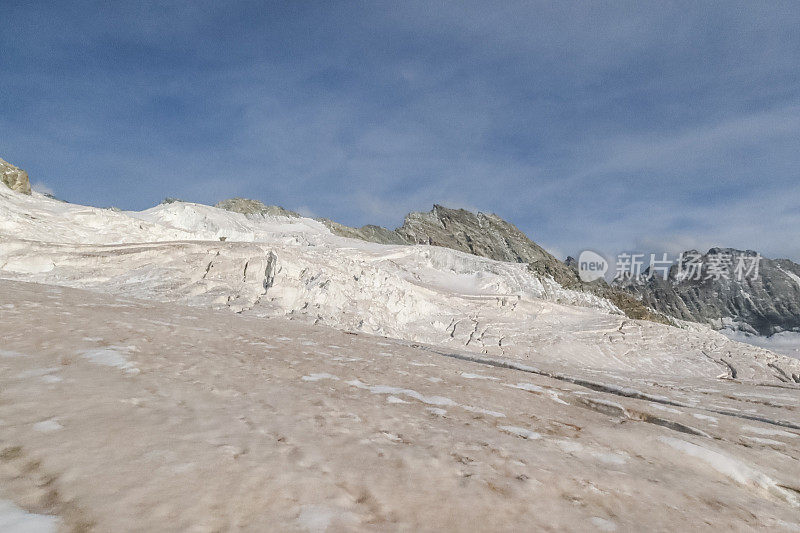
[15, 178]
[249, 207]
[763, 302]
[481, 234]
[486, 235]
[370, 233]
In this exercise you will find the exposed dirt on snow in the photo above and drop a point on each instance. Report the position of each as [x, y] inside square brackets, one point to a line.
[246, 423]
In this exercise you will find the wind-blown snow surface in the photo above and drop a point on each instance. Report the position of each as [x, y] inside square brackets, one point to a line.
[295, 267]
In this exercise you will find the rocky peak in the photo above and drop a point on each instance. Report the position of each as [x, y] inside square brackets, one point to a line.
[488, 235]
[482, 234]
[170, 200]
[15, 178]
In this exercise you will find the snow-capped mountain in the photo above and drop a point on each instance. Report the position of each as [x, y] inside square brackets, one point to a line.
[488, 235]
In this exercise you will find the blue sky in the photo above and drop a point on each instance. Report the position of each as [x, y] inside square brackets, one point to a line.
[612, 126]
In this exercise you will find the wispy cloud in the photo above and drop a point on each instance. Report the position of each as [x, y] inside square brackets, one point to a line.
[604, 126]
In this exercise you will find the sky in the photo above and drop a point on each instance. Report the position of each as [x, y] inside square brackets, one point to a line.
[610, 126]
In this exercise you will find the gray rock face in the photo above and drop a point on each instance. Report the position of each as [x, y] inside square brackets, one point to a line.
[485, 235]
[368, 233]
[15, 178]
[249, 207]
[764, 304]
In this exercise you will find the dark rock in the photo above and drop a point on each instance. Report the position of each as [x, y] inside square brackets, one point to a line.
[249, 207]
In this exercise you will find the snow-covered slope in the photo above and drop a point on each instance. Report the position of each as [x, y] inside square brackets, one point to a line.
[289, 266]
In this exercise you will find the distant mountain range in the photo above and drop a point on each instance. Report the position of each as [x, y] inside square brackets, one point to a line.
[761, 303]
